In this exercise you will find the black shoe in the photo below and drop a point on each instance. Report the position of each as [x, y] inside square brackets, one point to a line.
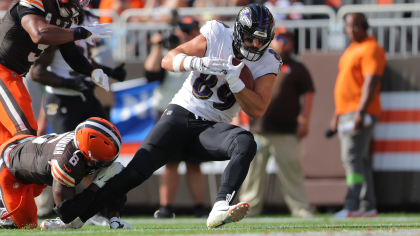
[200, 211]
[164, 212]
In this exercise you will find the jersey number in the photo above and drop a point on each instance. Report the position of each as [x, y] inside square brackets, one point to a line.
[202, 90]
[73, 160]
[35, 55]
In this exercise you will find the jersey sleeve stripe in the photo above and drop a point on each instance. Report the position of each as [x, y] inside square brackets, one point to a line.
[33, 3]
[60, 175]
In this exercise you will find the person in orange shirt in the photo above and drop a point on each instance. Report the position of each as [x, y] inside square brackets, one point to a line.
[118, 6]
[356, 96]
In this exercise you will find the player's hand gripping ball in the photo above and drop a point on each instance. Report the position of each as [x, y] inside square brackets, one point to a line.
[246, 75]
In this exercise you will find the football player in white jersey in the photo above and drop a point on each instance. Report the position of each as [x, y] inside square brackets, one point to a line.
[196, 123]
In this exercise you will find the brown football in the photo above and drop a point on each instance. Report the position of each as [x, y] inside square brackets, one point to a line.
[246, 75]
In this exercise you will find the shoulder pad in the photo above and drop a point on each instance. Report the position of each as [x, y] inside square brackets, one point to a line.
[213, 26]
[33, 3]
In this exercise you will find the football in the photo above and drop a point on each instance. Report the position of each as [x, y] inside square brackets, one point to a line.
[246, 75]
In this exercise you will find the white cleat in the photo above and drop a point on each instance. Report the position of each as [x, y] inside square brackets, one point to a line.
[222, 213]
[52, 224]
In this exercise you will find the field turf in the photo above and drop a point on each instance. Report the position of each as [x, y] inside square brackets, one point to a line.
[385, 224]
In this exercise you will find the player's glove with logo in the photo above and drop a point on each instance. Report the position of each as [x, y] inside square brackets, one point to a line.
[100, 78]
[117, 223]
[108, 172]
[78, 83]
[232, 76]
[208, 65]
[99, 31]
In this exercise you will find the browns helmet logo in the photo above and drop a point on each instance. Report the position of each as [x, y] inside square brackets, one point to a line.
[245, 16]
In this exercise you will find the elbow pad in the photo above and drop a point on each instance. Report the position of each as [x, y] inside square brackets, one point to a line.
[70, 209]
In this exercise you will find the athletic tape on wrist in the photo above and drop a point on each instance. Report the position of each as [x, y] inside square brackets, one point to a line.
[176, 63]
[188, 63]
[237, 87]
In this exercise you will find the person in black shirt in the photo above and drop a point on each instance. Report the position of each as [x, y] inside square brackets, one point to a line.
[279, 132]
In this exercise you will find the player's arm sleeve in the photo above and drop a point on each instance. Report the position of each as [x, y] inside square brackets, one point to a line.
[373, 61]
[76, 60]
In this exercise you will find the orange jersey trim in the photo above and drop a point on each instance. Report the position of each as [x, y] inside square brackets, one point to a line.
[60, 175]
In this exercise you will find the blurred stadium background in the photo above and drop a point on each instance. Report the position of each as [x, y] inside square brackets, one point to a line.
[320, 41]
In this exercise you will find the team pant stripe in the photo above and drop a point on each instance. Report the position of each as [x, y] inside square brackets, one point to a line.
[13, 109]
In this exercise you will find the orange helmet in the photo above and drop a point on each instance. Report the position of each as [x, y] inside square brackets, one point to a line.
[99, 141]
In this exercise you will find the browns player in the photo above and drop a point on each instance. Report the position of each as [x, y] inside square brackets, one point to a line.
[29, 164]
[27, 29]
[196, 123]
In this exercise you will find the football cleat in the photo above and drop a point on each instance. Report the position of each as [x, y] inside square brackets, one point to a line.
[52, 224]
[222, 213]
[371, 213]
[117, 223]
[98, 220]
[164, 212]
[345, 213]
[8, 222]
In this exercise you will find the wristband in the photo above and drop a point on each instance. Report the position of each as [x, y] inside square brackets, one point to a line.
[237, 87]
[79, 33]
[176, 63]
[188, 63]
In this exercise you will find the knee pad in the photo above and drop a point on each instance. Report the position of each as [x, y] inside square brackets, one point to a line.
[245, 144]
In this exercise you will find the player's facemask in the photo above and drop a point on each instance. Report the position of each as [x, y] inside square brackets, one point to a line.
[71, 8]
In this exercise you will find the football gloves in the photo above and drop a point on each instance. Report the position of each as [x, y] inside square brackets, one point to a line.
[232, 76]
[99, 31]
[100, 78]
[78, 83]
[210, 66]
[117, 223]
[107, 173]
[119, 73]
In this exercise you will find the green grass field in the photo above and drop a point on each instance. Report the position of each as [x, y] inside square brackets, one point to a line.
[385, 224]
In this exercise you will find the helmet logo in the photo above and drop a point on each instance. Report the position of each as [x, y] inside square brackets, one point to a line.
[245, 16]
[260, 34]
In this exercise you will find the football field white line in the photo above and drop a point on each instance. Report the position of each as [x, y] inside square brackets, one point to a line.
[277, 220]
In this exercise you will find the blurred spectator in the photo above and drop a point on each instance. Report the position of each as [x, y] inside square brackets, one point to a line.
[284, 4]
[118, 6]
[356, 94]
[172, 83]
[4, 4]
[279, 132]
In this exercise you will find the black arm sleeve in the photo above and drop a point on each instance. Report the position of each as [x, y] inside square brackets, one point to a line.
[75, 59]
[69, 210]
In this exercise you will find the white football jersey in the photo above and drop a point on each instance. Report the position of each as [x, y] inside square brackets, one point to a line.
[209, 96]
